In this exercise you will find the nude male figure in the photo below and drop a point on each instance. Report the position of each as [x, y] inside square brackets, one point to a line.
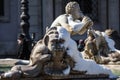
[73, 20]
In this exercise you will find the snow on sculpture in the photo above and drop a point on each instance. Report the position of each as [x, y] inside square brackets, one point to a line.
[100, 47]
[55, 55]
[84, 64]
[111, 43]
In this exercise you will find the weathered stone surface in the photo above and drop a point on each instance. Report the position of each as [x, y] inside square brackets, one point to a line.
[81, 77]
[69, 77]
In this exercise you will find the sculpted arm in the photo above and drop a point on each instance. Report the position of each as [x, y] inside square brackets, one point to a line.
[87, 23]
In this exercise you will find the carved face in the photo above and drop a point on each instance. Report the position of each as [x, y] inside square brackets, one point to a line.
[73, 8]
[77, 12]
[54, 42]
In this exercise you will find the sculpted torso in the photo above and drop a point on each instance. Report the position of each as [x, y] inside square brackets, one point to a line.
[73, 21]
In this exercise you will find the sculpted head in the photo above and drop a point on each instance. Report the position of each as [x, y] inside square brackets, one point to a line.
[53, 41]
[73, 8]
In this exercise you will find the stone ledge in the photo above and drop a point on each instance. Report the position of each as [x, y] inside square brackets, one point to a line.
[77, 76]
[69, 77]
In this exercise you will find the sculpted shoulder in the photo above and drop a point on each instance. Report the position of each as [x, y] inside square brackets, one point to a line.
[60, 19]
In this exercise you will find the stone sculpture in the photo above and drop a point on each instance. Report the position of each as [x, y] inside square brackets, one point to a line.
[56, 53]
[53, 56]
[95, 45]
[100, 47]
[48, 57]
[73, 20]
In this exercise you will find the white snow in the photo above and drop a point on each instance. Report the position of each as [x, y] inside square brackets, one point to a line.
[111, 43]
[82, 64]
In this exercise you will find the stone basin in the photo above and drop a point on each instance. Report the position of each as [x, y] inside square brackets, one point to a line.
[6, 64]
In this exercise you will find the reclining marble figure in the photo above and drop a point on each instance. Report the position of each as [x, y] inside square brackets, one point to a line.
[74, 21]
